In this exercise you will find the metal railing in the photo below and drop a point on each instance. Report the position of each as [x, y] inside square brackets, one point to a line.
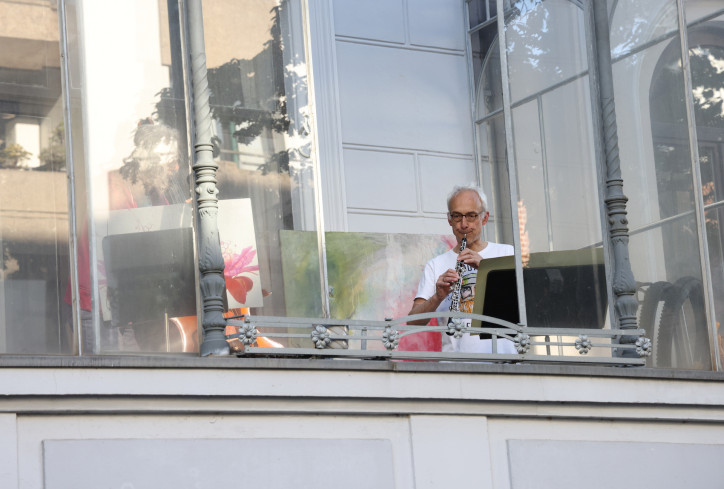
[343, 338]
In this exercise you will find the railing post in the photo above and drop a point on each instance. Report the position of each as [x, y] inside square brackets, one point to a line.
[624, 284]
[211, 261]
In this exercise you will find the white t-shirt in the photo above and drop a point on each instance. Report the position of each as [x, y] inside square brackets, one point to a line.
[426, 289]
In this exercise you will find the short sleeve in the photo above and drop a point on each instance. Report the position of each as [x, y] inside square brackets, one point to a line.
[426, 287]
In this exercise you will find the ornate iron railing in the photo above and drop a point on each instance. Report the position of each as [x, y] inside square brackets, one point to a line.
[381, 340]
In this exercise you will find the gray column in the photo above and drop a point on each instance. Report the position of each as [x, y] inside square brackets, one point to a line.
[211, 262]
[624, 284]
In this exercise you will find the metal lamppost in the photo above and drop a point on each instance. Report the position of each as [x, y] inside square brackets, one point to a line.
[624, 283]
[211, 261]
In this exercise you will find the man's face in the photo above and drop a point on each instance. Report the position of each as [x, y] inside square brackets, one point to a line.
[467, 203]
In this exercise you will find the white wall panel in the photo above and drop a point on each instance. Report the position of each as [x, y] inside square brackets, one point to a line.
[375, 223]
[450, 451]
[381, 20]
[270, 463]
[404, 98]
[438, 175]
[437, 23]
[8, 451]
[211, 451]
[560, 464]
[380, 180]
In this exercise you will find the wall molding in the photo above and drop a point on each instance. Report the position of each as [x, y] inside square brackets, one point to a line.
[324, 88]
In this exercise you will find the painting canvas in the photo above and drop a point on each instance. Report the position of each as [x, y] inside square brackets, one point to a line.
[236, 232]
[238, 247]
[371, 275]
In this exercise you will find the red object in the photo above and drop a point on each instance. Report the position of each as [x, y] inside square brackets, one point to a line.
[238, 287]
[431, 341]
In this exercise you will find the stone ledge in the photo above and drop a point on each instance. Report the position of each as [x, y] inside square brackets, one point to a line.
[232, 362]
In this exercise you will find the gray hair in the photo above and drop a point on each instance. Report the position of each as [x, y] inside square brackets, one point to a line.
[458, 189]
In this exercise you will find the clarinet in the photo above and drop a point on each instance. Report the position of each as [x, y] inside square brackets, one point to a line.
[455, 302]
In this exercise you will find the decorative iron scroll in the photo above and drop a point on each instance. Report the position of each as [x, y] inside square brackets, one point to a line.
[381, 339]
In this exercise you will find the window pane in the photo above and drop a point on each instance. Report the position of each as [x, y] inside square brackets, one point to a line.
[491, 134]
[489, 91]
[259, 103]
[406, 140]
[494, 171]
[558, 207]
[571, 169]
[708, 11]
[34, 203]
[658, 180]
[633, 24]
[706, 57]
[545, 45]
[481, 11]
[136, 259]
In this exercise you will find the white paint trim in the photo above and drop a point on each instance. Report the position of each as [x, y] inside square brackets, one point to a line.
[211, 386]
[401, 149]
[406, 46]
[324, 89]
[8, 450]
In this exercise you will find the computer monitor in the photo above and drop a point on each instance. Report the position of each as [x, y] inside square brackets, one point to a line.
[149, 275]
[563, 289]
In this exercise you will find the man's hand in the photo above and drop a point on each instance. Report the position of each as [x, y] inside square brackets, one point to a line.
[445, 283]
[470, 257]
[443, 287]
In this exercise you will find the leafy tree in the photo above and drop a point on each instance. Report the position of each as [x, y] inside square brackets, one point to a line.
[11, 156]
[52, 157]
[250, 112]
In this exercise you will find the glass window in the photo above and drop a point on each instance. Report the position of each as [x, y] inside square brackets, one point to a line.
[658, 179]
[136, 287]
[558, 207]
[34, 201]
[557, 179]
[706, 59]
[634, 25]
[260, 108]
[490, 132]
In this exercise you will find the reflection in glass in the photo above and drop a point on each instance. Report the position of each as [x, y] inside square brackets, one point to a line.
[259, 104]
[555, 164]
[545, 45]
[553, 130]
[634, 24]
[490, 134]
[706, 59]
[135, 243]
[34, 202]
[656, 167]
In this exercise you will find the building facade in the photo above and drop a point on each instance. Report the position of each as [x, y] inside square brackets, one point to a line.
[165, 162]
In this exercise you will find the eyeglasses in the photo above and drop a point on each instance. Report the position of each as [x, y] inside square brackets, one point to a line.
[457, 217]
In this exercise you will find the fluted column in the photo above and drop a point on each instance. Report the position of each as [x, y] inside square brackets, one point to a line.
[624, 284]
[211, 261]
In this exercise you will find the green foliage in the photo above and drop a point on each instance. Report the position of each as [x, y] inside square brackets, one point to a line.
[52, 157]
[11, 156]
[349, 257]
[247, 95]
[708, 80]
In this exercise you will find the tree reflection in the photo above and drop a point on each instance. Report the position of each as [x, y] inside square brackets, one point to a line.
[707, 73]
[249, 99]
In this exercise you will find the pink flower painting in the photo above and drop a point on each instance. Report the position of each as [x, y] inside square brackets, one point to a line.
[237, 268]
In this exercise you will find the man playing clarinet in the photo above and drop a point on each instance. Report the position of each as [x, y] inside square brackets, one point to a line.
[450, 278]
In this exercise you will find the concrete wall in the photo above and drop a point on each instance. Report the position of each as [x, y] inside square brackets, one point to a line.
[202, 423]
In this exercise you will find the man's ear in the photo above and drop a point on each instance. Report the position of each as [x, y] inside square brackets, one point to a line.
[485, 218]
